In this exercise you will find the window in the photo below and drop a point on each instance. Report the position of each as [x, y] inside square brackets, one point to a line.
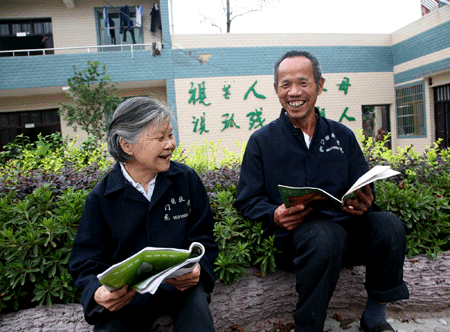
[112, 35]
[410, 110]
[26, 34]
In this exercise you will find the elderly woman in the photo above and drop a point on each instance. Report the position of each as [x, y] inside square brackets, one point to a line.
[145, 200]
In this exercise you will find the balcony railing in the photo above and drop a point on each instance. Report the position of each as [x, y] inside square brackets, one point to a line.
[77, 49]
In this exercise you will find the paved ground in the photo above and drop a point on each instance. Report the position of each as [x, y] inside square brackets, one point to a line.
[341, 324]
[408, 325]
[65, 318]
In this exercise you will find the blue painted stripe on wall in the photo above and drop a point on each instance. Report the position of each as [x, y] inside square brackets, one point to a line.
[260, 61]
[422, 71]
[427, 42]
[54, 70]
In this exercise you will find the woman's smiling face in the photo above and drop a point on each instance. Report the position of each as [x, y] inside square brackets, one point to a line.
[153, 150]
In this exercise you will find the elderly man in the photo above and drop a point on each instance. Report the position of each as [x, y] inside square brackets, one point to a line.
[302, 148]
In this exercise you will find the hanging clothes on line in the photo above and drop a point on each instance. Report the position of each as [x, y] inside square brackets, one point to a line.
[126, 21]
[112, 31]
[155, 15]
[139, 14]
[106, 19]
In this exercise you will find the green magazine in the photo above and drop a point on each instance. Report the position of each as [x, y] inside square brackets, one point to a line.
[147, 269]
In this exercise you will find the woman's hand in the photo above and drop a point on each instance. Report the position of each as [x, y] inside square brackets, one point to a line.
[116, 300]
[187, 280]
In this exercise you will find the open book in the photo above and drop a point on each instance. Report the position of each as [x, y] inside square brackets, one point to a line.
[147, 269]
[322, 200]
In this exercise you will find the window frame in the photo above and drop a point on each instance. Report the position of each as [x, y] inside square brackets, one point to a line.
[411, 96]
[120, 45]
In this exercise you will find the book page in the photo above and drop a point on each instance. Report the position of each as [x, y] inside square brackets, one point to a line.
[376, 173]
[151, 284]
[322, 200]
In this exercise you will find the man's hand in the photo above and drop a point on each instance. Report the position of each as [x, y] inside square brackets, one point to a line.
[116, 300]
[361, 203]
[187, 280]
[290, 218]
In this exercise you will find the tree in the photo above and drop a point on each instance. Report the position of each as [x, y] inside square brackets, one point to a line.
[95, 100]
[232, 11]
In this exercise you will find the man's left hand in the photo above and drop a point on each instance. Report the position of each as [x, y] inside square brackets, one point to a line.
[361, 203]
[187, 280]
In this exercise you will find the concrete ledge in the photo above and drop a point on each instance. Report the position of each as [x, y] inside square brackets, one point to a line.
[254, 300]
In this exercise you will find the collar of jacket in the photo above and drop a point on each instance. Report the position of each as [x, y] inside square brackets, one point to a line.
[297, 131]
[117, 182]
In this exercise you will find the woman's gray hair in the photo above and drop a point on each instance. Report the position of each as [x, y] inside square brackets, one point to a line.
[130, 119]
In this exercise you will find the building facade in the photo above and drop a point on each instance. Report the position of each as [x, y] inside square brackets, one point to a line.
[220, 87]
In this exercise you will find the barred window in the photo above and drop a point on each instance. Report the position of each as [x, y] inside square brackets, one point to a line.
[410, 110]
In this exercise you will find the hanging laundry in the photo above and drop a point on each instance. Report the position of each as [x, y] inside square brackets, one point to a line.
[155, 18]
[125, 19]
[106, 19]
[139, 14]
[112, 31]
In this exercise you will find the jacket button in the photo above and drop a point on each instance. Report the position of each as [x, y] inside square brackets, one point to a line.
[296, 132]
[310, 155]
[312, 183]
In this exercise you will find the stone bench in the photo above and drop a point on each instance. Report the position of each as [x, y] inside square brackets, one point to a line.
[253, 301]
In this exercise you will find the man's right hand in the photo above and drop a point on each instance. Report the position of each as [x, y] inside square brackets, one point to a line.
[290, 218]
[116, 300]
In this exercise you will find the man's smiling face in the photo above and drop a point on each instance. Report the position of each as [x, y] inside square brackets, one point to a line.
[297, 89]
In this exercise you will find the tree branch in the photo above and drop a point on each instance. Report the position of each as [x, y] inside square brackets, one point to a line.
[211, 21]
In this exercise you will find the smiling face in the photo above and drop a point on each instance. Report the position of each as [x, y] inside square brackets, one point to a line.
[297, 89]
[151, 153]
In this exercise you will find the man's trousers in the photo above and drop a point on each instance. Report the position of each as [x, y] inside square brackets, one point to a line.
[318, 249]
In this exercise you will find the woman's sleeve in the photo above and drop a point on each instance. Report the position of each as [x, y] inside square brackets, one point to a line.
[88, 255]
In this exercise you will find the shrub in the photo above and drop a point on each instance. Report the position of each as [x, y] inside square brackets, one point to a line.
[206, 156]
[40, 208]
[241, 242]
[50, 153]
[51, 160]
[425, 212]
[36, 236]
[420, 196]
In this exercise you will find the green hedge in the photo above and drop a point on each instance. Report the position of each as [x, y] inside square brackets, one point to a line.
[40, 207]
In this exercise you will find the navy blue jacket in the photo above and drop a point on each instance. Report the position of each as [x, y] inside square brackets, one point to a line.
[277, 154]
[118, 221]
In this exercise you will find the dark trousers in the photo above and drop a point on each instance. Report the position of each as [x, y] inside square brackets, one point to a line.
[319, 249]
[189, 311]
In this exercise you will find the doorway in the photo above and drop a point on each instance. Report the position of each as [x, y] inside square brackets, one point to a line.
[29, 123]
[376, 122]
[442, 114]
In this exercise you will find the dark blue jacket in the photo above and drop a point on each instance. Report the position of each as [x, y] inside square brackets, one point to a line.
[277, 154]
[118, 221]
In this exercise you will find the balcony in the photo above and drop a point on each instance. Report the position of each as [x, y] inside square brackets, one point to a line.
[50, 68]
[154, 47]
